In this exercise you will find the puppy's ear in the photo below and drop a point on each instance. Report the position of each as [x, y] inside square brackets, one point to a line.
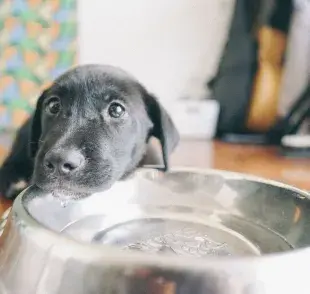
[35, 127]
[163, 128]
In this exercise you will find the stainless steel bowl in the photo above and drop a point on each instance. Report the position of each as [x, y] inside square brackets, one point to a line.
[187, 231]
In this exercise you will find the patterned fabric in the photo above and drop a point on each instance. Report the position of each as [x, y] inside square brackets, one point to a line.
[37, 43]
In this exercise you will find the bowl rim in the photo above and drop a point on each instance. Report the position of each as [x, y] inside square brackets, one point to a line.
[64, 245]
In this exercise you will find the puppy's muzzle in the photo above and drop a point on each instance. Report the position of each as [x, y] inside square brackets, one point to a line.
[63, 161]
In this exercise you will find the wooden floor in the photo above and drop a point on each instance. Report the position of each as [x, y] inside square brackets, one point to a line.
[255, 160]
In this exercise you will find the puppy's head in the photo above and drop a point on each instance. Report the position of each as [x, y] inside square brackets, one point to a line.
[91, 128]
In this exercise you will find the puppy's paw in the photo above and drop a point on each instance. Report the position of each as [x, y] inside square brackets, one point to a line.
[10, 187]
[15, 189]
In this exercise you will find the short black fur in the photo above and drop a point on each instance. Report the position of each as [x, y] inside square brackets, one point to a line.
[83, 149]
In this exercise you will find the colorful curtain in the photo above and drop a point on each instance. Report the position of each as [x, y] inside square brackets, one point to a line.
[37, 43]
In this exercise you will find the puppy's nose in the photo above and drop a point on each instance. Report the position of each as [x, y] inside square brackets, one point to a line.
[64, 161]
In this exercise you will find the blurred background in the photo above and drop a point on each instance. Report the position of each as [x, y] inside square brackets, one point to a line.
[232, 70]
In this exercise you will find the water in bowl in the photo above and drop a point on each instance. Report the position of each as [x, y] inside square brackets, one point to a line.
[177, 231]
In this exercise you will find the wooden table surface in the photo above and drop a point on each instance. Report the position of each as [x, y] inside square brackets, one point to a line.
[254, 160]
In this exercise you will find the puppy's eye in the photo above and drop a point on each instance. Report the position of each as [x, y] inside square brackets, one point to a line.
[53, 106]
[116, 110]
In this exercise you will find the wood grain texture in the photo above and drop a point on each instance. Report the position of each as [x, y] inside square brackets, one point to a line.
[254, 160]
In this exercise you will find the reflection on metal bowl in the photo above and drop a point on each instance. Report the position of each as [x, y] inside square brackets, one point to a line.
[185, 231]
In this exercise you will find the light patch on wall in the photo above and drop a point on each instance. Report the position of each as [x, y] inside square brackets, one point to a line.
[173, 47]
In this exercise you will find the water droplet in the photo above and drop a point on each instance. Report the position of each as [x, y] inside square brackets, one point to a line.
[64, 203]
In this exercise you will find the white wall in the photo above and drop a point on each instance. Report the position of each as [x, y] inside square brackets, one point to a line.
[297, 66]
[171, 46]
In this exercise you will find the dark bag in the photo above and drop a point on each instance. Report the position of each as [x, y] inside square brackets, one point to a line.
[232, 86]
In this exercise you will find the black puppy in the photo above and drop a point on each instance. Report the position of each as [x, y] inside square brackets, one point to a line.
[90, 129]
